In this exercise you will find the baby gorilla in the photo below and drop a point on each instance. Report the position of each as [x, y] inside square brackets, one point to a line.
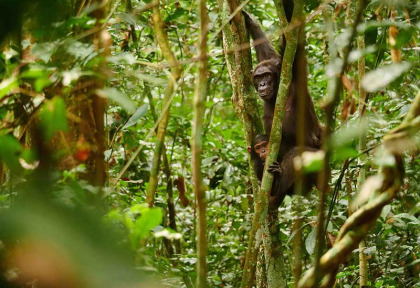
[283, 172]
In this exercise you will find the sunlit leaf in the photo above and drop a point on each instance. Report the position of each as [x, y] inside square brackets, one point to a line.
[369, 188]
[122, 58]
[44, 51]
[8, 84]
[383, 76]
[119, 97]
[80, 50]
[147, 221]
[412, 218]
[310, 161]
[166, 233]
[136, 116]
[310, 241]
[40, 74]
[72, 75]
[150, 79]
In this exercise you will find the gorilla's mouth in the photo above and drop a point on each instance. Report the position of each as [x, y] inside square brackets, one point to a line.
[264, 94]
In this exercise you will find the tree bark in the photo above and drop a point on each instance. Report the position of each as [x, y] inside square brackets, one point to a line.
[244, 100]
[96, 166]
[363, 273]
[163, 42]
[200, 94]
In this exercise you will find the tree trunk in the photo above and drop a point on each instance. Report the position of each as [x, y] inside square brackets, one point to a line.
[162, 39]
[238, 60]
[200, 94]
[363, 273]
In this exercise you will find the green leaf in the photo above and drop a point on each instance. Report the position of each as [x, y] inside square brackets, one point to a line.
[127, 18]
[147, 221]
[413, 219]
[310, 241]
[41, 76]
[44, 51]
[381, 77]
[119, 97]
[8, 84]
[136, 116]
[178, 13]
[10, 150]
[344, 152]
[168, 234]
[312, 161]
[53, 117]
[150, 79]
[80, 50]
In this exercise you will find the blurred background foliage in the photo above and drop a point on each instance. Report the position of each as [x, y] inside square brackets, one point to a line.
[56, 227]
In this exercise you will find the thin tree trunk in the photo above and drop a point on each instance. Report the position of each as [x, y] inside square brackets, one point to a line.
[393, 33]
[102, 42]
[162, 39]
[200, 94]
[329, 107]
[238, 60]
[276, 276]
[169, 187]
[302, 84]
[363, 273]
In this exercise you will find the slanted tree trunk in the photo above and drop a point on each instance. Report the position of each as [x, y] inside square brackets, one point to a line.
[162, 39]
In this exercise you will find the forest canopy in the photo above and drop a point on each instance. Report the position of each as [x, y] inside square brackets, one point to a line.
[209, 143]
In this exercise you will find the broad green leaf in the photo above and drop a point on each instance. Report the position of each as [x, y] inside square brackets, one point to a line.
[41, 75]
[150, 79]
[147, 221]
[310, 241]
[346, 135]
[344, 152]
[10, 150]
[136, 116]
[80, 50]
[72, 75]
[44, 51]
[53, 117]
[127, 18]
[412, 218]
[8, 84]
[310, 161]
[120, 58]
[119, 97]
[168, 234]
[381, 77]
[178, 13]
[385, 211]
